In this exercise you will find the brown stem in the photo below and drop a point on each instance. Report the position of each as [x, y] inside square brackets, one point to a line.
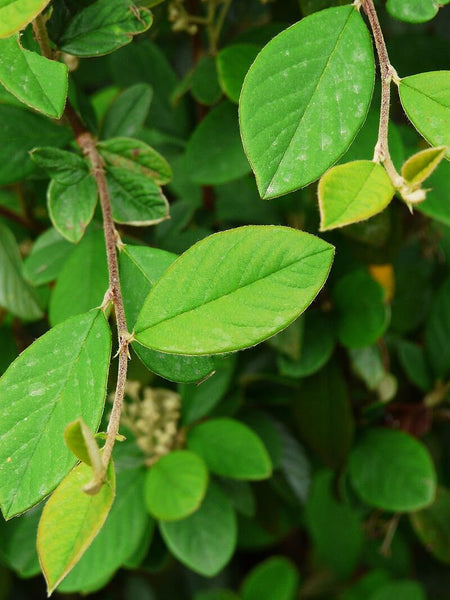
[41, 35]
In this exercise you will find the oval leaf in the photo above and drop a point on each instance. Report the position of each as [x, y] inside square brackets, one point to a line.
[413, 11]
[64, 167]
[393, 471]
[176, 485]
[426, 100]
[274, 579]
[70, 521]
[230, 449]
[353, 192]
[50, 384]
[250, 283]
[305, 98]
[233, 62]
[15, 14]
[421, 165]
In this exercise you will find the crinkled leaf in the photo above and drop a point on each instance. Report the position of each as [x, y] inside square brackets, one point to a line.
[250, 283]
[62, 166]
[15, 14]
[233, 62]
[60, 377]
[127, 113]
[317, 78]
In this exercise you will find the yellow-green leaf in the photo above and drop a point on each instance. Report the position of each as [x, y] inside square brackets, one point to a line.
[15, 14]
[70, 521]
[421, 165]
[353, 192]
[81, 441]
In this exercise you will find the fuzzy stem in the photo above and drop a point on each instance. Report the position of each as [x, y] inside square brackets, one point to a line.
[41, 35]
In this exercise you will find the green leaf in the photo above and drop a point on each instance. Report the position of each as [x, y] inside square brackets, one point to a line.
[81, 441]
[318, 77]
[50, 384]
[15, 294]
[231, 449]
[353, 192]
[214, 154]
[71, 207]
[35, 80]
[274, 579]
[24, 131]
[128, 111]
[294, 464]
[15, 14]
[400, 590]
[62, 166]
[432, 525]
[205, 85]
[421, 165]
[70, 521]
[233, 62]
[103, 27]
[83, 280]
[204, 541]
[362, 315]
[336, 530]
[251, 282]
[176, 485]
[393, 471]
[135, 199]
[48, 255]
[413, 11]
[426, 100]
[437, 332]
[240, 494]
[436, 204]
[136, 156]
[413, 360]
[18, 548]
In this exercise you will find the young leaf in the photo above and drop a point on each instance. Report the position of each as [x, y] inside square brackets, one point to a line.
[353, 192]
[70, 521]
[393, 471]
[432, 525]
[15, 294]
[128, 112]
[274, 579]
[81, 441]
[413, 11]
[71, 207]
[62, 166]
[52, 382]
[35, 80]
[15, 14]
[317, 77]
[204, 541]
[250, 283]
[230, 449]
[233, 62]
[176, 485]
[420, 166]
[103, 27]
[426, 100]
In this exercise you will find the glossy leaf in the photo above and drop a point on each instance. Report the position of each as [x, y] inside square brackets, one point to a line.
[353, 192]
[103, 27]
[64, 167]
[128, 111]
[15, 294]
[15, 14]
[432, 525]
[274, 579]
[231, 449]
[176, 485]
[35, 80]
[50, 384]
[393, 471]
[233, 62]
[70, 521]
[426, 100]
[413, 11]
[317, 76]
[265, 276]
[71, 207]
[420, 166]
[204, 541]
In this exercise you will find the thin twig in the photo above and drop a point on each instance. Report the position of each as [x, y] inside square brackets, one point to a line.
[385, 549]
[41, 35]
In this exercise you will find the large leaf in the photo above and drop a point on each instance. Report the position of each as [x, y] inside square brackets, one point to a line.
[70, 521]
[35, 80]
[432, 525]
[205, 540]
[274, 579]
[393, 471]
[15, 294]
[426, 100]
[61, 377]
[250, 283]
[15, 14]
[103, 27]
[305, 97]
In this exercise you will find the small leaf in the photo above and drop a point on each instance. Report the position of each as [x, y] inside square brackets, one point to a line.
[35, 80]
[205, 85]
[432, 525]
[71, 207]
[16, 14]
[437, 332]
[62, 166]
[204, 541]
[317, 77]
[81, 441]
[426, 100]
[413, 11]
[176, 485]
[128, 111]
[70, 521]
[103, 27]
[421, 165]
[233, 62]
[393, 471]
[251, 282]
[231, 449]
[353, 192]
[274, 579]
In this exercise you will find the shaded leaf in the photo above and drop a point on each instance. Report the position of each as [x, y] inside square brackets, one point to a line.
[437, 332]
[274, 579]
[413, 11]
[233, 62]
[48, 255]
[128, 111]
[62, 166]
[432, 525]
